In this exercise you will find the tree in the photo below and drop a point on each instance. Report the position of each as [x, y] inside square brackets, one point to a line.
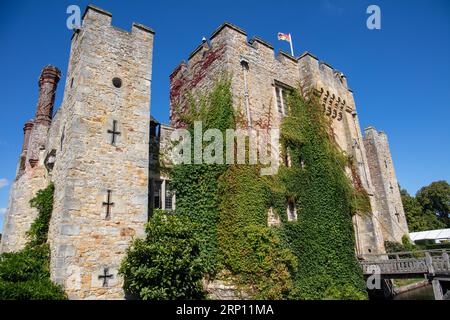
[417, 218]
[166, 265]
[435, 200]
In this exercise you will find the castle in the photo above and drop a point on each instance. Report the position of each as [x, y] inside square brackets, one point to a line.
[100, 147]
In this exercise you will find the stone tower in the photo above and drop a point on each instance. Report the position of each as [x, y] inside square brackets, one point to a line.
[102, 150]
[260, 80]
[95, 150]
[385, 184]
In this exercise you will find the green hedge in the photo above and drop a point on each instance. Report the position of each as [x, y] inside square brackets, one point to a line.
[25, 275]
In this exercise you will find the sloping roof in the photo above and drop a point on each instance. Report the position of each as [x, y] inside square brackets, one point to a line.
[439, 234]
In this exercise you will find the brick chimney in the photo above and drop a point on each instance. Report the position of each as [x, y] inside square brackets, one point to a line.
[48, 82]
[26, 134]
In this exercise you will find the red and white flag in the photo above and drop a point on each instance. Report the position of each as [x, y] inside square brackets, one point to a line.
[286, 37]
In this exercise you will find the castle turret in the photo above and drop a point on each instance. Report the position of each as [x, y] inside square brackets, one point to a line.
[102, 156]
[389, 202]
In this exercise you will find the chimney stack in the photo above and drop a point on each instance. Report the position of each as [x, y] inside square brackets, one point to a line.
[48, 82]
[26, 135]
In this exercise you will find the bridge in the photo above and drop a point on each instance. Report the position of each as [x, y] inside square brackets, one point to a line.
[432, 264]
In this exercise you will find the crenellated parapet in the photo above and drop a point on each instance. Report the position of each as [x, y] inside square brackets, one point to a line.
[229, 48]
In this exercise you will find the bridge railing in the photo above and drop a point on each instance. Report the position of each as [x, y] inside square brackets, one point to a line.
[411, 262]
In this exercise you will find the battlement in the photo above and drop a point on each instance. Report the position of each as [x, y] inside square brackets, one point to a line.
[96, 16]
[228, 34]
[371, 132]
[324, 70]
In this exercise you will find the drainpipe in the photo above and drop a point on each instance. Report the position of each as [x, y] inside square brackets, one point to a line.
[244, 64]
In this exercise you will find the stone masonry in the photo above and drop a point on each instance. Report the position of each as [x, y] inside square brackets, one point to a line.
[104, 152]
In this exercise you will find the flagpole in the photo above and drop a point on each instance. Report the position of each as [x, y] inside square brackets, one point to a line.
[290, 41]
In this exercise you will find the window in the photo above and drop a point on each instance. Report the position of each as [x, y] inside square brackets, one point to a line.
[168, 197]
[287, 157]
[162, 196]
[291, 211]
[281, 93]
[157, 204]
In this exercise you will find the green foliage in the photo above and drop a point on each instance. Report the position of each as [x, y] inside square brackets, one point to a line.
[435, 200]
[392, 246]
[312, 258]
[249, 248]
[431, 245]
[196, 185]
[322, 238]
[345, 292]
[43, 202]
[405, 246]
[25, 275]
[166, 264]
[417, 217]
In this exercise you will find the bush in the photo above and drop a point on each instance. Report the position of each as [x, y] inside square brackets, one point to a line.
[25, 275]
[166, 264]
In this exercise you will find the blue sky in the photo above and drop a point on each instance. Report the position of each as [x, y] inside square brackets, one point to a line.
[400, 74]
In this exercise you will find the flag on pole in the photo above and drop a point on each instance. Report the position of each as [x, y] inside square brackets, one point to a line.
[286, 37]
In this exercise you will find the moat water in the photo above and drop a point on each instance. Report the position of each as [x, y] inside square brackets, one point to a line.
[424, 293]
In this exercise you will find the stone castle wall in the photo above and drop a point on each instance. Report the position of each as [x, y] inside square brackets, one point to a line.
[255, 72]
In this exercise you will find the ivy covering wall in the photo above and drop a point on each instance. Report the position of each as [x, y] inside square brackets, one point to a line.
[310, 258]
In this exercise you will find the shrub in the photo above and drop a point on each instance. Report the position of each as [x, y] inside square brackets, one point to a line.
[166, 264]
[25, 275]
